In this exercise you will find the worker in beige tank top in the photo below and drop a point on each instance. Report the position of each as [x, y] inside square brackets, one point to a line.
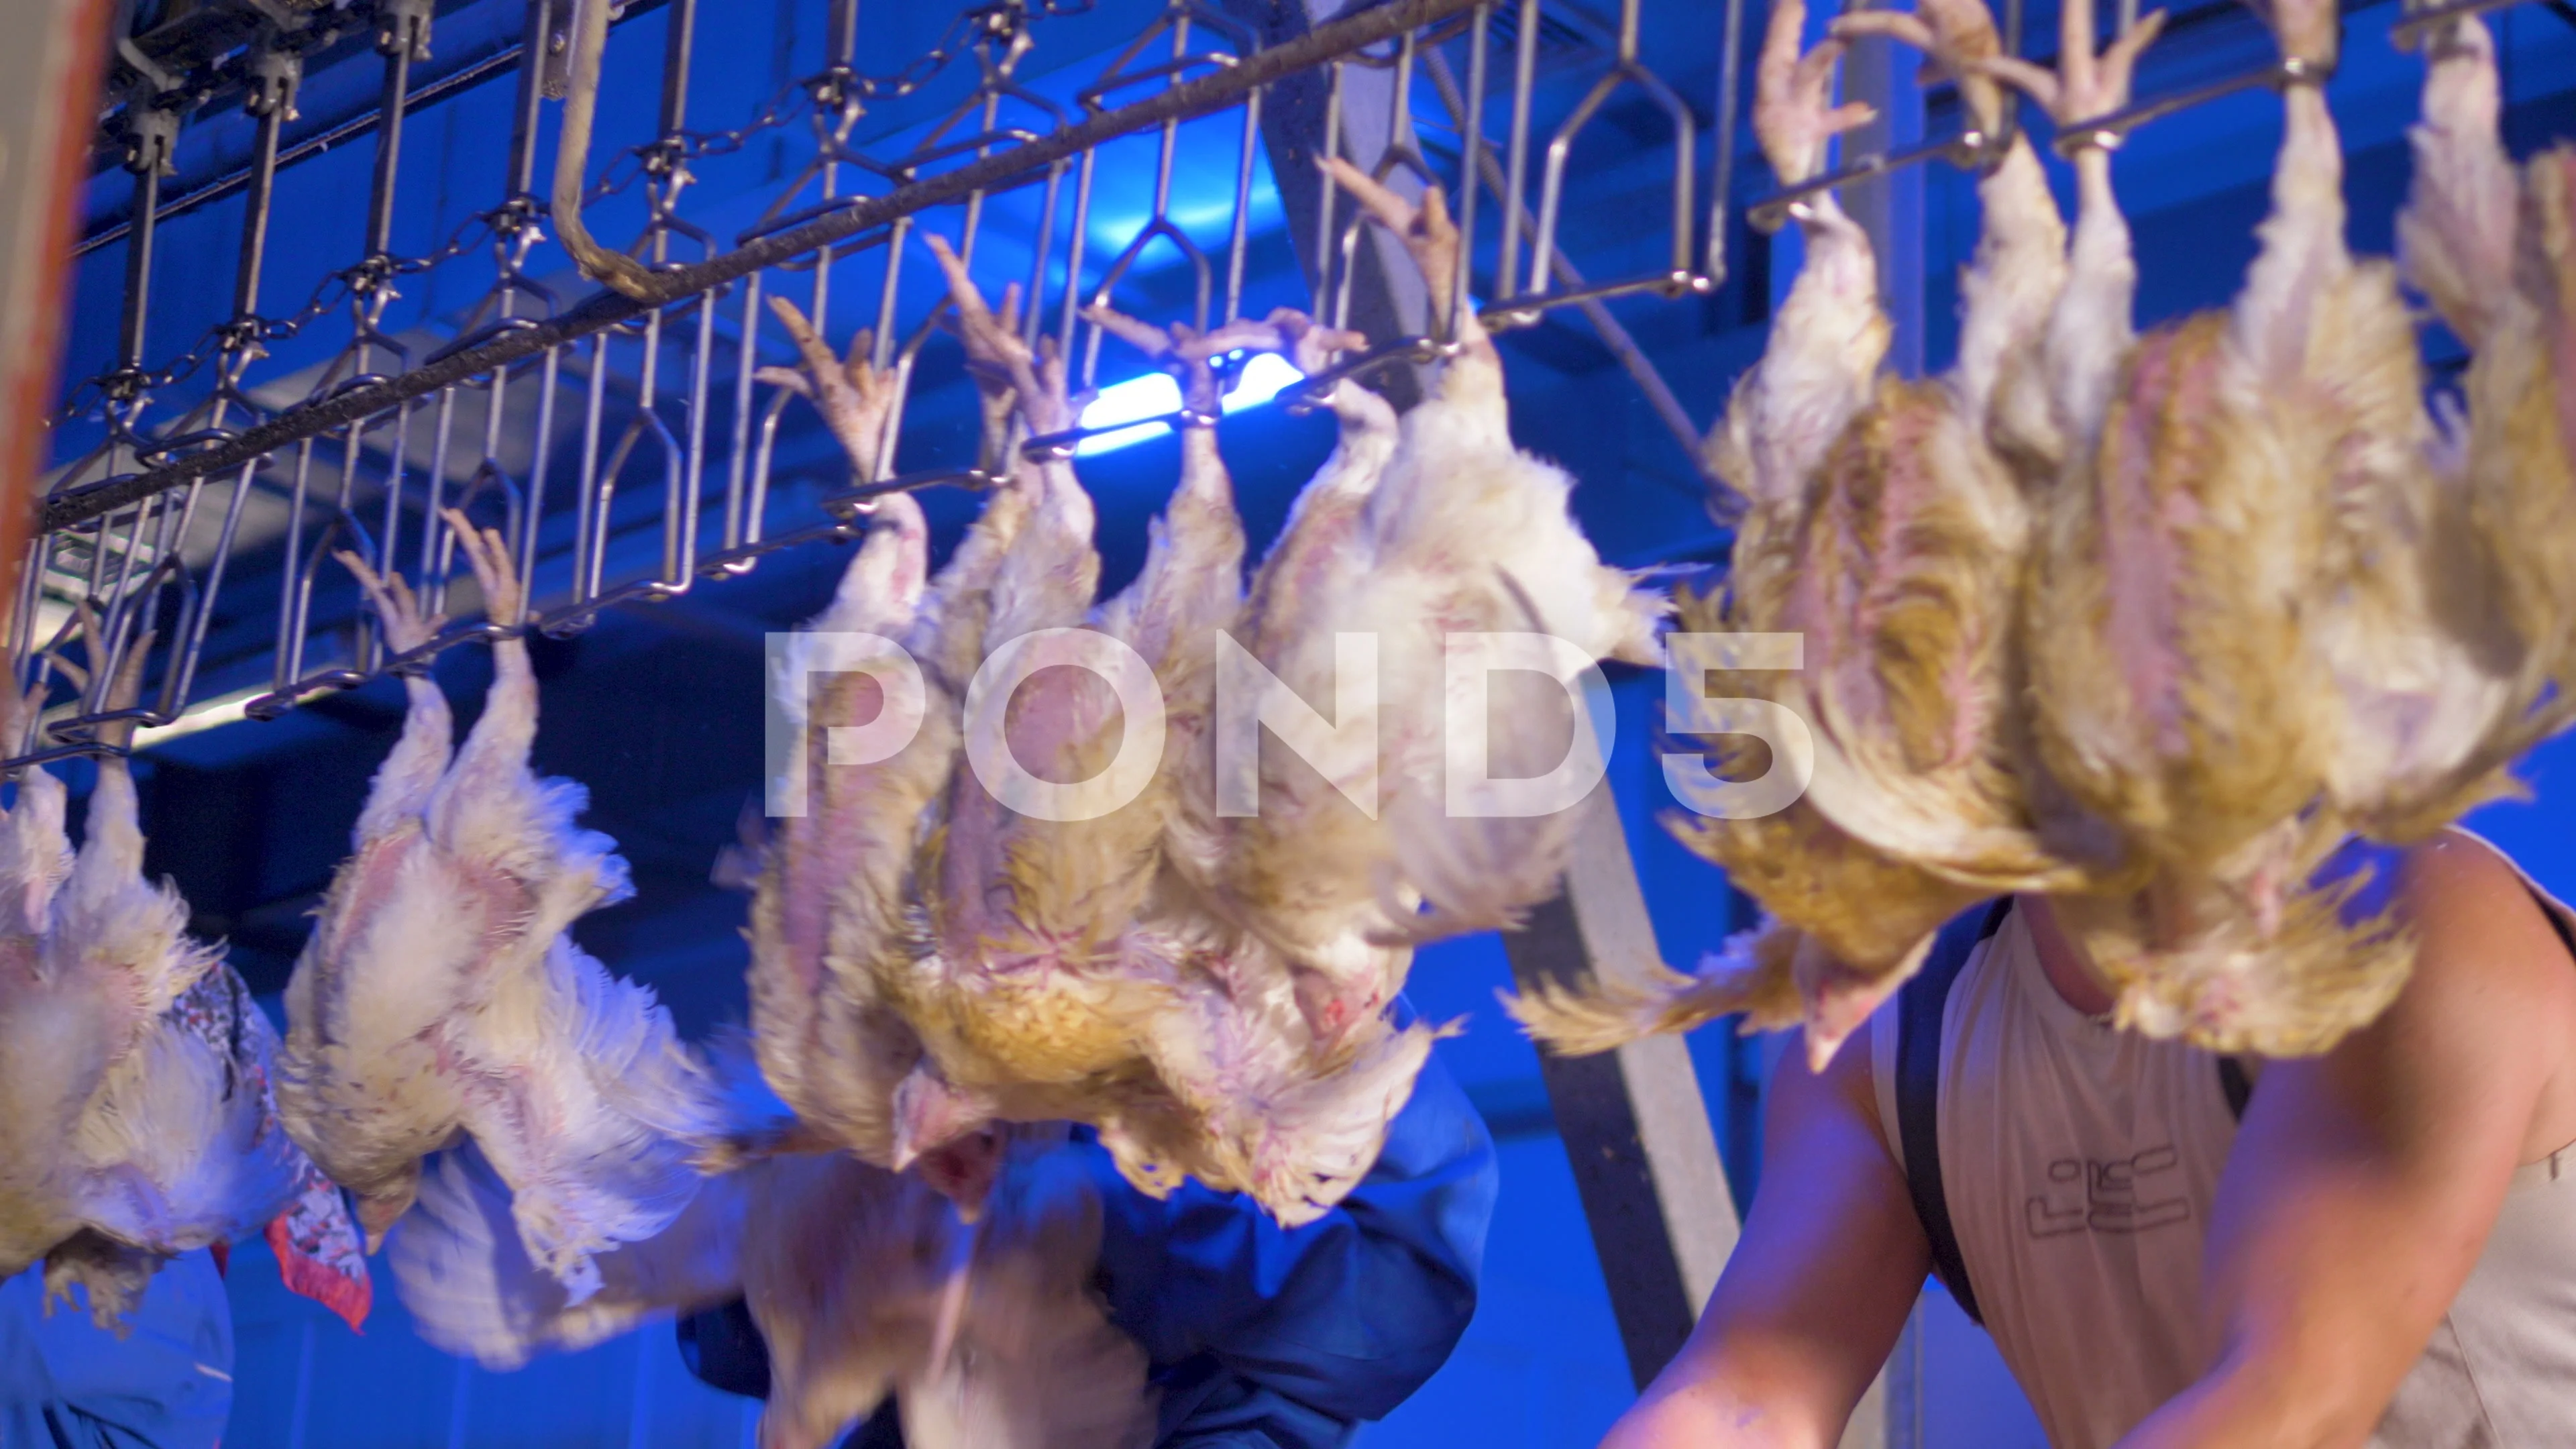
[2382, 1253]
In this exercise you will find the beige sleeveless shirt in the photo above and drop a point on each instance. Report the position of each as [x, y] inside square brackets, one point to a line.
[2080, 1165]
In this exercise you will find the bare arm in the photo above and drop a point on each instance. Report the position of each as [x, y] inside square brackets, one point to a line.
[1817, 1291]
[2365, 1182]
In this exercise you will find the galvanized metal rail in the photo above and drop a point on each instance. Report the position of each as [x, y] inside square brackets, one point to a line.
[624, 439]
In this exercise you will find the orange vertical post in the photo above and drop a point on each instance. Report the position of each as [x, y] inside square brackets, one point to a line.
[50, 73]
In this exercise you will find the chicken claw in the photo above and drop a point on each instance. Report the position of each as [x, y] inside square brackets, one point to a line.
[1957, 37]
[2086, 84]
[2310, 31]
[489, 555]
[398, 610]
[1426, 230]
[1793, 110]
[1193, 353]
[852, 394]
[995, 350]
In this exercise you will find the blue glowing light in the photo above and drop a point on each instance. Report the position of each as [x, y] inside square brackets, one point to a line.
[1264, 376]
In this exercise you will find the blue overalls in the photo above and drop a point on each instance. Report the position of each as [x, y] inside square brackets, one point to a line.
[1263, 1337]
[65, 1383]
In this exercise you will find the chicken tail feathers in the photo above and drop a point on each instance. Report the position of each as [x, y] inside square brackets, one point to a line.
[1753, 973]
[460, 1268]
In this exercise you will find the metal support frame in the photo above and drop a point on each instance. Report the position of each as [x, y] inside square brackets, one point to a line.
[1636, 1128]
[652, 388]
[1313, 115]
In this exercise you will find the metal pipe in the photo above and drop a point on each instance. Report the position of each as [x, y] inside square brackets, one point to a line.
[272, 100]
[678, 50]
[1524, 78]
[402, 37]
[138, 271]
[529, 105]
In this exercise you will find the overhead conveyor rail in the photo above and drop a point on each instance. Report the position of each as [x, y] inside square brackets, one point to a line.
[567, 414]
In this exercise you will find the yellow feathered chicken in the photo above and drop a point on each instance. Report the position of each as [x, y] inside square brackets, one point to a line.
[1888, 527]
[2236, 598]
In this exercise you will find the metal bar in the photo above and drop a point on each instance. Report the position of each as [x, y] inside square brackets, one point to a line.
[1306, 117]
[2418, 19]
[2108, 131]
[1475, 158]
[841, 33]
[1214, 91]
[529, 106]
[274, 105]
[138, 265]
[335, 138]
[1967, 150]
[1641, 368]
[678, 50]
[1524, 77]
[1635, 1125]
[404, 37]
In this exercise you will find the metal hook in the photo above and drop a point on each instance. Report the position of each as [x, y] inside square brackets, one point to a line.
[572, 160]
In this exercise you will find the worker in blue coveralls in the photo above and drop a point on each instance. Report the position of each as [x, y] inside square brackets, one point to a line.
[1262, 1337]
[66, 1383]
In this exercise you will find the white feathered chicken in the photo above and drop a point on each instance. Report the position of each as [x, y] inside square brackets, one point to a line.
[139, 1070]
[2468, 664]
[60, 1029]
[864, 1283]
[1062, 968]
[1467, 534]
[442, 996]
[831, 898]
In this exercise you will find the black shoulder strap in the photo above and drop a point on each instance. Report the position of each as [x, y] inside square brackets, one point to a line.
[1919, 1007]
[2239, 1087]
[2557, 922]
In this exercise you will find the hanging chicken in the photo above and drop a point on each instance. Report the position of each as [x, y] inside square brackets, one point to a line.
[155, 1132]
[862, 1282]
[1887, 527]
[2259, 642]
[2457, 659]
[1062, 968]
[60, 1029]
[1304, 842]
[832, 894]
[442, 996]
[1468, 535]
